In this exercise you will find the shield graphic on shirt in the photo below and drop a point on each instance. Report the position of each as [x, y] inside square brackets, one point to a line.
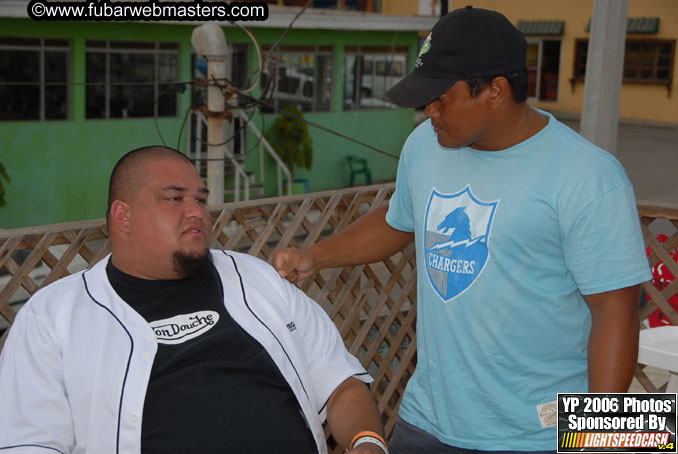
[458, 228]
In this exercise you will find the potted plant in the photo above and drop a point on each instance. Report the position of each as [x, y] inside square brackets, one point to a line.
[290, 139]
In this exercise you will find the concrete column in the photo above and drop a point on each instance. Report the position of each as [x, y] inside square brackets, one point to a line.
[216, 70]
[209, 40]
[604, 70]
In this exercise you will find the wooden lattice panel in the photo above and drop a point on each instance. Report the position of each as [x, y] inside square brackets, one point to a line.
[658, 293]
[373, 306]
[46, 254]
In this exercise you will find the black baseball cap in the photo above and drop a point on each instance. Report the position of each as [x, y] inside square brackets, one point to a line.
[467, 42]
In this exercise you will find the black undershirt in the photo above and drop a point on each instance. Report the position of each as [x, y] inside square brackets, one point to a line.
[215, 389]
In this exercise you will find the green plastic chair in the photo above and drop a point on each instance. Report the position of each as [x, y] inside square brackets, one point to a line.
[359, 166]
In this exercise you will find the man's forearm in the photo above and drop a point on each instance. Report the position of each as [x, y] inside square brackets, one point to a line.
[367, 240]
[351, 410]
[613, 343]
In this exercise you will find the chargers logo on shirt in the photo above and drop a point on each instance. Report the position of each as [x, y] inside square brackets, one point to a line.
[457, 233]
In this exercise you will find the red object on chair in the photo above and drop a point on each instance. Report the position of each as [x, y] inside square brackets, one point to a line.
[661, 278]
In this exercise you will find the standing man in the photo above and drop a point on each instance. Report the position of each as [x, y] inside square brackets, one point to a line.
[168, 347]
[529, 251]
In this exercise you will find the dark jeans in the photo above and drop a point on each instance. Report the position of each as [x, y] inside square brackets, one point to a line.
[408, 439]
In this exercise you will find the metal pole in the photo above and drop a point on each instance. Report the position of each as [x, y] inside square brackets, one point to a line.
[444, 7]
[604, 70]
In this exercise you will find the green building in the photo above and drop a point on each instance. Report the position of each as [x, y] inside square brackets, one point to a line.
[75, 96]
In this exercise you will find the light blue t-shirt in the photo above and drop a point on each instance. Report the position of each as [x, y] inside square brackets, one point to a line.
[507, 243]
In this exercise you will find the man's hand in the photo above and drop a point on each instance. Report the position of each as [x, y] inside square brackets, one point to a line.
[294, 264]
[369, 239]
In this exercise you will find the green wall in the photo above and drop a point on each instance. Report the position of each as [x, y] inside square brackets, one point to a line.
[60, 169]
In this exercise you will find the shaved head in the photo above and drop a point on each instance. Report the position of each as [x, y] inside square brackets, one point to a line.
[158, 222]
[127, 176]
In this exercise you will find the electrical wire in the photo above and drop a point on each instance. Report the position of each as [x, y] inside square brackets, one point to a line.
[287, 30]
[260, 103]
[260, 67]
[155, 111]
[183, 124]
[326, 129]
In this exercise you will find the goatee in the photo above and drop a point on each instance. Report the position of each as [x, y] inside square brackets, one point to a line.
[191, 264]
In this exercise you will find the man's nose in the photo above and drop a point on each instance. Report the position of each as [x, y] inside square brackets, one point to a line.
[195, 209]
[430, 110]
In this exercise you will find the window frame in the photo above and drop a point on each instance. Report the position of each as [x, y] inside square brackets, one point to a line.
[655, 64]
[119, 48]
[540, 49]
[316, 51]
[580, 56]
[540, 40]
[41, 48]
[362, 51]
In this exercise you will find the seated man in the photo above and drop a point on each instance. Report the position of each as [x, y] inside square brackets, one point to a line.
[166, 346]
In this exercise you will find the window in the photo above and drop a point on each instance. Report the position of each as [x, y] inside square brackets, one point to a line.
[351, 5]
[131, 79]
[580, 51]
[301, 76]
[647, 61]
[34, 79]
[369, 71]
[543, 67]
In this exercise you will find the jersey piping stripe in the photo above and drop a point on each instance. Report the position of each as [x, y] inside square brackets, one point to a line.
[33, 446]
[244, 296]
[129, 359]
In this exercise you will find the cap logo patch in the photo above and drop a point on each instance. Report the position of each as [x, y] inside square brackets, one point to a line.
[424, 48]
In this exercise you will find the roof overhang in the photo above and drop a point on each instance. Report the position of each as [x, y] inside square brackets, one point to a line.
[640, 25]
[281, 16]
[541, 27]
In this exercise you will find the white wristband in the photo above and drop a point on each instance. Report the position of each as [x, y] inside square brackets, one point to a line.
[370, 439]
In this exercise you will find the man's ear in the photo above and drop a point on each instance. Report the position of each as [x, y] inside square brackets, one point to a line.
[121, 216]
[499, 89]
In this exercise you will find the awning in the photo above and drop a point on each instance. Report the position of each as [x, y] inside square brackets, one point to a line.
[638, 25]
[541, 27]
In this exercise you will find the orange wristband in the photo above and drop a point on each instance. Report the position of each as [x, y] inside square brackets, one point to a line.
[367, 433]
